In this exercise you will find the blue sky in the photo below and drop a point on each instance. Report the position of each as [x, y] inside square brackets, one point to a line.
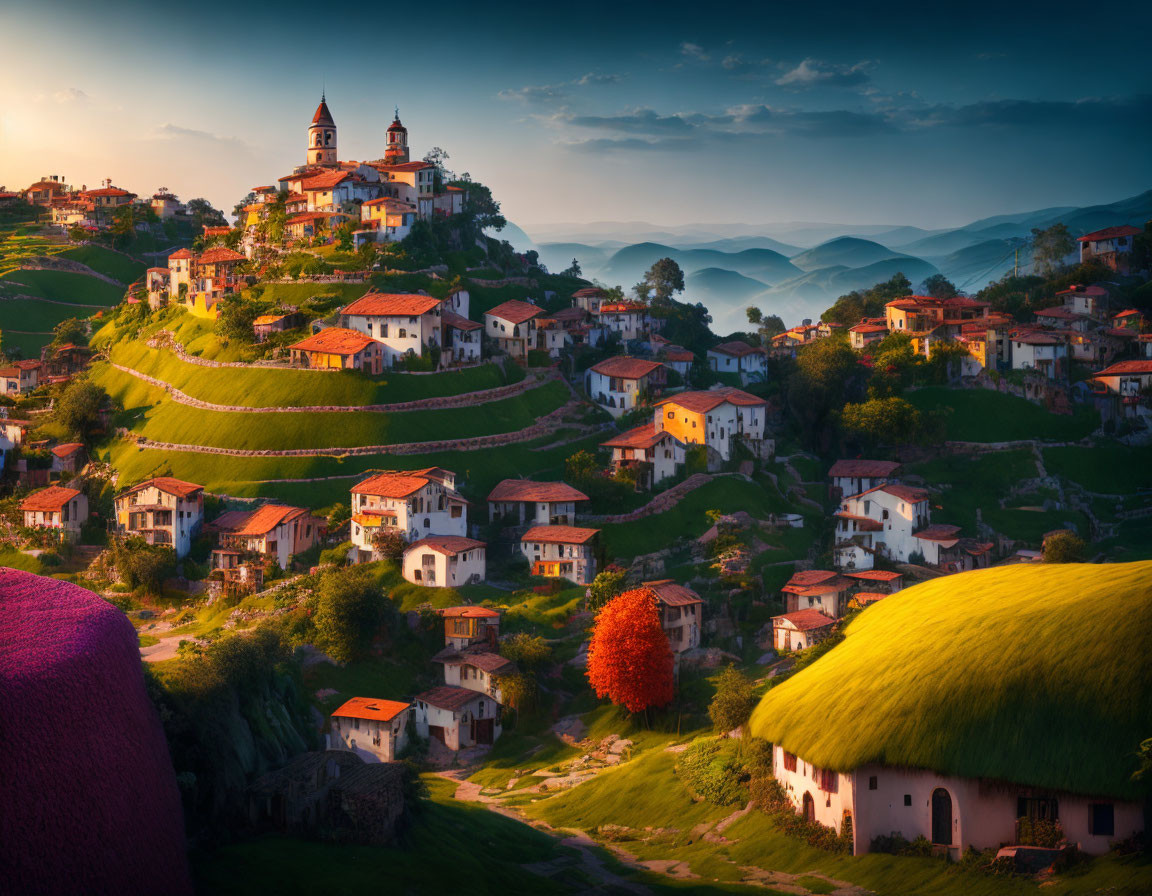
[671, 113]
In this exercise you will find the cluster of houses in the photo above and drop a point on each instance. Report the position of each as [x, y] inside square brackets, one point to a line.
[94, 209]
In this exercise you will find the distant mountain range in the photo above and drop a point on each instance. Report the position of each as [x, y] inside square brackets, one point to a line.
[797, 270]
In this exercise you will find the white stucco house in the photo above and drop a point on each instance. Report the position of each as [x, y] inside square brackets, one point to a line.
[162, 510]
[524, 502]
[415, 503]
[564, 552]
[885, 518]
[800, 630]
[457, 717]
[511, 326]
[622, 384]
[655, 454]
[403, 324]
[1044, 352]
[58, 508]
[375, 730]
[445, 561]
[718, 419]
[738, 357]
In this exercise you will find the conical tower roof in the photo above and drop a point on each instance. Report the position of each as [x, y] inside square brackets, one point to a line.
[323, 116]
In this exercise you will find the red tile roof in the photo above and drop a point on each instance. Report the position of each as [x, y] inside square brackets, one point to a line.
[863, 598]
[643, 436]
[559, 535]
[676, 353]
[449, 545]
[52, 498]
[806, 620]
[1127, 312]
[469, 613]
[858, 467]
[371, 708]
[736, 349]
[107, 191]
[863, 523]
[623, 308]
[875, 575]
[386, 304]
[938, 532]
[672, 594]
[526, 490]
[903, 492]
[514, 311]
[589, 292]
[626, 368]
[392, 484]
[1126, 368]
[169, 485]
[450, 698]
[1110, 233]
[869, 328]
[703, 401]
[218, 255]
[182, 253]
[404, 166]
[336, 341]
[67, 449]
[325, 181]
[808, 577]
[260, 521]
[1077, 290]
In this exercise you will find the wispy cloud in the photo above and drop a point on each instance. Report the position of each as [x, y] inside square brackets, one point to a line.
[556, 94]
[70, 96]
[814, 73]
[175, 132]
[598, 78]
[694, 52]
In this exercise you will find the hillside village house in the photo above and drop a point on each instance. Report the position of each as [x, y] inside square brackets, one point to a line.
[198, 282]
[166, 205]
[952, 812]
[628, 319]
[534, 503]
[445, 561]
[588, 299]
[1064, 318]
[852, 476]
[943, 547]
[869, 330]
[784, 345]
[1046, 353]
[267, 324]
[415, 504]
[818, 589]
[561, 552]
[680, 613]
[1131, 383]
[622, 384]
[1111, 246]
[385, 220]
[885, 519]
[476, 668]
[465, 626]
[738, 357]
[12, 435]
[68, 458]
[20, 377]
[162, 510]
[655, 454]
[337, 348]
[512, 326]
[457, 717]
[884, 581]
[403, 324]
[375, 730]
[922, 314]
[1087, 300]
[800, 629]
[462, 339]
[274, 532]
[716, 418]
[674, 357]
[46, 189]
[56, 507]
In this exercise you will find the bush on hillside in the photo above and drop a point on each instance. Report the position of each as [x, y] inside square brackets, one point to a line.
[733, 702]
[349, 611]
[713, 772]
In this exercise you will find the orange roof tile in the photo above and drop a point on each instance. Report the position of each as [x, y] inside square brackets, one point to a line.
[391, 484]
[672, 594]
[1126, 367]
[169, 485]
[736, 349]
[559, 535]
[385, 304]
[371, 709]
[67, 449]
[219, 255]
[511, 490]
[875, 575]
[469, 613]
[626, 368]
[701, 402]
[325, 181]
[514, 311]
[643, 436]
[449, 545]
[336, 341]
[806, 620]
[52, 498]
[262, 520]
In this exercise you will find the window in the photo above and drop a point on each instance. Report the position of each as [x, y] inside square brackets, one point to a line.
[384, 331]
[1101, 819]
[402, 333]
[789, 761]
[907, 799]
[873, 783]
[369, 329]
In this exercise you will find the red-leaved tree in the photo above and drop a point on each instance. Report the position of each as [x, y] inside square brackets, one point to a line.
[629, 660]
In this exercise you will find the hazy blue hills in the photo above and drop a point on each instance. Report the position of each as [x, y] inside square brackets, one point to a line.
[848, 251]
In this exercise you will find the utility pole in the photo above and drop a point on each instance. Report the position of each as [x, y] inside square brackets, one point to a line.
[1016, 265]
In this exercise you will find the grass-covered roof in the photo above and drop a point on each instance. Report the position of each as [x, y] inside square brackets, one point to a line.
[1040, 675]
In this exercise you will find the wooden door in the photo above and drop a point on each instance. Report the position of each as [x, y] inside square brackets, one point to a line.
[941, 817]
[436, 732]
[484, 731]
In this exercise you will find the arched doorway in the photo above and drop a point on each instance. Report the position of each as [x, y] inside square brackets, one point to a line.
[941, 817]
[809, 807]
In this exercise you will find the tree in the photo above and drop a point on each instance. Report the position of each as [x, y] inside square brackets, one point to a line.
[437, 156]
[573, 270]
[581, 465]
[1064, 547]
[755, 315]
[238, 208]
[1050, 247]
[479, 204]
[236, 318]
[850, 308]
[142, 565]
[73, 330]
[78, 409]
[881, 421]
[770, 325]
[939, 287]
[733, 702]
[608, 584]
[529, 652]
[629, 660]
[349, 610]
[663, 279]
[517, 690]
[203, 213]
[389, 543]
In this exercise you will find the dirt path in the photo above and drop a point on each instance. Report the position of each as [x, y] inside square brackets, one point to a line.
[465, 399]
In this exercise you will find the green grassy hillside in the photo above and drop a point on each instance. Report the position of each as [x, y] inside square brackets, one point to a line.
[980, 415]
[149, 412]
[107, 262]
[272, 387]
[63, 286]
[1033, 674]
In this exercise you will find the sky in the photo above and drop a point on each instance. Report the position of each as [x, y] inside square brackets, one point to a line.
[671, 113]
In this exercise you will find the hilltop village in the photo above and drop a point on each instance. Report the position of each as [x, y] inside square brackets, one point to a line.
[402, 519]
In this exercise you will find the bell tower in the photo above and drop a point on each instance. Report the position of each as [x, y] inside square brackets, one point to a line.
[322, 137]
[397, 150]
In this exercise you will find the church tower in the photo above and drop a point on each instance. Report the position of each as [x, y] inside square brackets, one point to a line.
[322, 137]
[397, 151]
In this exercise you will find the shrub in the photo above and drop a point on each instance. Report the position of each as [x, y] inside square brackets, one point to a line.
[713, 773]
[734, 701]
[1039, 832]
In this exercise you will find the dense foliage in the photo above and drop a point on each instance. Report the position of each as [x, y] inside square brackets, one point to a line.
[629, 660]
